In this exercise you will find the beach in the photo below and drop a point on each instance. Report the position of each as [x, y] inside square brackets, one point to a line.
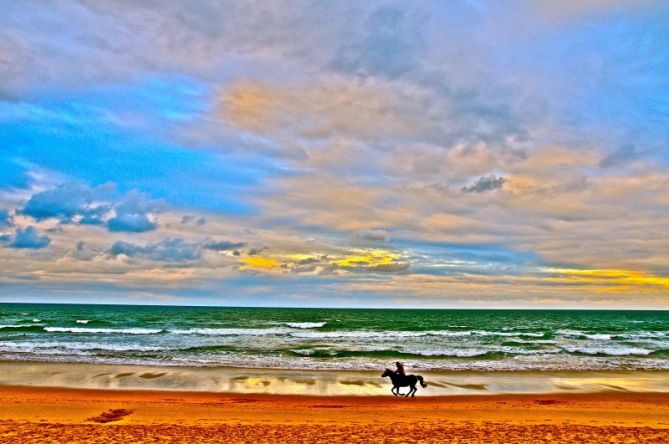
[31, 415]
[112, 374]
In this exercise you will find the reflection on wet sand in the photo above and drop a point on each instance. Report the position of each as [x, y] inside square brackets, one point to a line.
[322, 383]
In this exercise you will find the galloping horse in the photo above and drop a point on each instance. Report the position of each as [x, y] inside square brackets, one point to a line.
[404, 381]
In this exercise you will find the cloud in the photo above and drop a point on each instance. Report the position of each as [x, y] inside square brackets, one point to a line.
[26, 238]
[370, 126]
[167, 250]
[222, 245]
[172, 249]
[76, 203]
[68, 201]
[256, 251]
[355, 260]
[131, 223]
[391, 267]
[82, 252]
[132, 214]
[373, 235]
[387, 43]
[188, 218]
[579, 9]
[485, 184]
[6, 219]
[622, 156]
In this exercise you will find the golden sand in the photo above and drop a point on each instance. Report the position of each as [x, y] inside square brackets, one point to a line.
[30, 415]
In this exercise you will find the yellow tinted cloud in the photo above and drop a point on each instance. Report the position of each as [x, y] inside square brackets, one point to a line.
[369, 258]
[376, 260]
[614, 279]
[261, 262]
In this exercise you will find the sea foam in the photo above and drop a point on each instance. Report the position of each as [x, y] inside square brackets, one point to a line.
[306, 325]
[126, 331]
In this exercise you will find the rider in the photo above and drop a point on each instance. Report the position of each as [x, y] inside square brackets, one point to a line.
[400, 369]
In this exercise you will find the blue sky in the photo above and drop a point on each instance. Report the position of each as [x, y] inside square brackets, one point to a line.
[400, 154]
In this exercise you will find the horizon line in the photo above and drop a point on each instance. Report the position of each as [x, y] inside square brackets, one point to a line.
[338, 307]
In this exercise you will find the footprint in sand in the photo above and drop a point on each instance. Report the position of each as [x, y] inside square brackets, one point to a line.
[110, 415]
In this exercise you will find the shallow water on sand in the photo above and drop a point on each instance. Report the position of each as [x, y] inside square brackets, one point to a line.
[322, 382]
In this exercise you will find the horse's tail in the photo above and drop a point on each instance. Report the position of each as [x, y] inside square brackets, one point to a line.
[422, 383]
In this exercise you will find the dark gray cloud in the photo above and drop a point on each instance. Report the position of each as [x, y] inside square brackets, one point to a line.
[131, 223]
[26, 238]
[76, 203]
[622, 155]
[6, 219]
[387, 45]
[392, 267]
[222, 245]
[132, 214]
[188, 218]
[82, 252]
[67, 202]
[168, 250]
[485, 184]
[171, 250]
[373, 235]
[256, 251]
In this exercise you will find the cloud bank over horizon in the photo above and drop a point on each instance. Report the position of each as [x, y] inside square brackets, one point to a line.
[304, 153]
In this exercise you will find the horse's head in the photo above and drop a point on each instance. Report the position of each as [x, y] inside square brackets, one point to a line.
[388, 372]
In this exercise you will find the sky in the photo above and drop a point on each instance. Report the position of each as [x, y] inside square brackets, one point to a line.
[464, 154]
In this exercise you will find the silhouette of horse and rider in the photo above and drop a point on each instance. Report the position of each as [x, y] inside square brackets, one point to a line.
[400, 379]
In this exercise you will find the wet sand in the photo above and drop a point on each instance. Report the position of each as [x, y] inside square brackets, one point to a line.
[320, 382]
[32, 414]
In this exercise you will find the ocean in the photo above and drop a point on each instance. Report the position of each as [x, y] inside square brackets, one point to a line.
[329, 339]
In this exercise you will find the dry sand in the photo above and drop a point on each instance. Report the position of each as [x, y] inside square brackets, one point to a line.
[30, 415]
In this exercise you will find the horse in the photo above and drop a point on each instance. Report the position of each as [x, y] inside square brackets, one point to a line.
[404, 381]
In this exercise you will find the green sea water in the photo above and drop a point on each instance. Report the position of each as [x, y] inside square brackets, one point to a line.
[355, 339]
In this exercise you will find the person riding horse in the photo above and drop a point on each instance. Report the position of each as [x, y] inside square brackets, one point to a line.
[400, 379]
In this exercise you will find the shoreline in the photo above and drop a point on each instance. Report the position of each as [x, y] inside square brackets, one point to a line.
[35, 414]
[322, 382]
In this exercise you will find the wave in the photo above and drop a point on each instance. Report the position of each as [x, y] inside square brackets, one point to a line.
[608, 351]
[306, 325]
[407, 334]
[578, 334]
[211, 348]
[631, 335]
[356, 334]
[40, 347]
[388, 353]
[83, 321]
[24, 328]
[641, 335]
[232, 331]
[599, 337]
[526, 344]
[126, 331]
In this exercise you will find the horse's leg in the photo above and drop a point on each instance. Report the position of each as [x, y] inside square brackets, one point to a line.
[409, 392]
[393, 390]
[414, 390]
